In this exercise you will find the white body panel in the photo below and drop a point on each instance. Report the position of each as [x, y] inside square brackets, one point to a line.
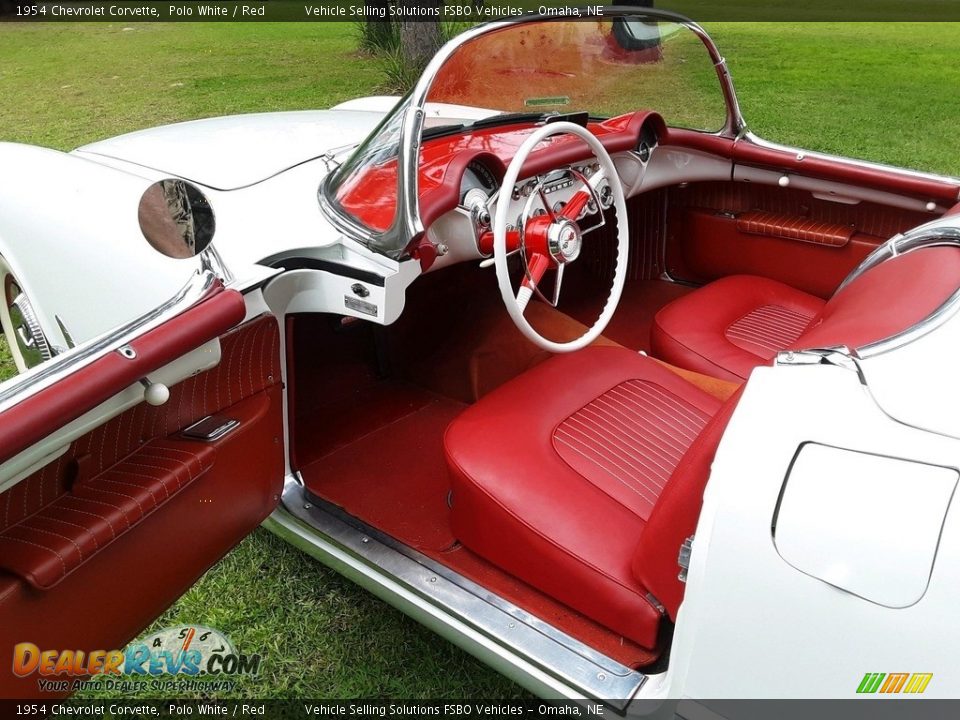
[751, 623]
[867, 524]
[231, 152]
[69, 231]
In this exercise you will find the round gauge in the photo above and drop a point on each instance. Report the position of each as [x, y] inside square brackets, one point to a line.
[186, 638]
[644, 152]
[606, 196]
[475, 197]
[478, 183]
[483, 175]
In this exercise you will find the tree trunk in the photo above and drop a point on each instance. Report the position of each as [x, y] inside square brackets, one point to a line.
[377, 32]
[420, 39]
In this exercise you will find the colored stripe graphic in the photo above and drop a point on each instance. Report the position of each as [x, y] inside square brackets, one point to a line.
[918, 682]
[913, 683]
[870, 682]
[894, 683]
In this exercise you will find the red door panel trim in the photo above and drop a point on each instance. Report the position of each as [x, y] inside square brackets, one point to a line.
[46, 547]
[802, 229]
[33, 419]
[749, 153]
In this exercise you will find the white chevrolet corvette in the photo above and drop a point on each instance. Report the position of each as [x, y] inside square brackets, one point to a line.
[552, 353]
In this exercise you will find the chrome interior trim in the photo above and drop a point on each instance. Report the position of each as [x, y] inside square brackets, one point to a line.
[445, 601]
[947, 180]
[27, 384]
[929, 235]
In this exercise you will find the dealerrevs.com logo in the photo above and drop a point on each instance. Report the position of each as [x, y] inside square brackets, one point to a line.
[894, 683]
[175, 658]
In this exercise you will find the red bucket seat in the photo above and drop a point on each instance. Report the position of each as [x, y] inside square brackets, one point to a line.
[734, 324]
[583, 477]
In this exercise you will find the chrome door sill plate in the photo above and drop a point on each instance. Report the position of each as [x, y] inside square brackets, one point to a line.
[530, 651]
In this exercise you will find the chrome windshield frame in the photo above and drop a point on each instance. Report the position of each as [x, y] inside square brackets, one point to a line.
[934, 234]
[407, 224]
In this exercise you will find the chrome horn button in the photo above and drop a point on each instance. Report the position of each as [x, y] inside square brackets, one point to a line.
[564, 241]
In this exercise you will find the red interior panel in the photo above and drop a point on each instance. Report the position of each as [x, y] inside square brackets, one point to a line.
[728, 228]
[167, 508]
[789, 227]
[789, 160]
[49, 545]
[32, 419]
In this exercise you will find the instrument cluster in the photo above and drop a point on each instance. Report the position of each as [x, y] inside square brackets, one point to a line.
[480, 192]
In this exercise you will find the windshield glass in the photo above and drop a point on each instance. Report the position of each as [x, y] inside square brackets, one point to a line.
[354, 186]
[605, 68]
[522, 72]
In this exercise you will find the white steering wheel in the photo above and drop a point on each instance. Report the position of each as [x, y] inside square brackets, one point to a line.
[553, 240]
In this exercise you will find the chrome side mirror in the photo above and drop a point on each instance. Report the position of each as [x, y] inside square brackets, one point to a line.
[176, 218]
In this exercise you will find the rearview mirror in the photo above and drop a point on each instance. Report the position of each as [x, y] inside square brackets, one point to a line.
[176, 218]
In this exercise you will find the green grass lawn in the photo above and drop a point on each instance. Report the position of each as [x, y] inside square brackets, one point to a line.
[7, 368]
[885, 92]
[878, 91]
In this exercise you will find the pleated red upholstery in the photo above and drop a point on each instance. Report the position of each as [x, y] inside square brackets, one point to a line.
[119, 473]
[719, 329]
[789, 227]
[249, 363]
[555, 474]
[732, 325]
[629, 440]
[768, 329]
[44, 548]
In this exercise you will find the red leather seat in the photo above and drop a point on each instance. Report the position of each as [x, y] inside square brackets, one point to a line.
[727, 328]
[583, 476]
[734, 324]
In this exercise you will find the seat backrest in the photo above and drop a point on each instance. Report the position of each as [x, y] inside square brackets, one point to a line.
[674, 517]
[886, 299]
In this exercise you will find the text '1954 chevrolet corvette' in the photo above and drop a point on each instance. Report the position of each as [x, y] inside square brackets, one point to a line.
[552, 353]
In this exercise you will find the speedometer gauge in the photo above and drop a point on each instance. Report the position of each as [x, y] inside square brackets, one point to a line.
[484, 176]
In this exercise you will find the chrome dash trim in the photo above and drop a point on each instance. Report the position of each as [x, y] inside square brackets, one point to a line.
[530, 651]
[27, 384]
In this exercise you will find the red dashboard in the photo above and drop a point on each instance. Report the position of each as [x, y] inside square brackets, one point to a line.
[371, 197]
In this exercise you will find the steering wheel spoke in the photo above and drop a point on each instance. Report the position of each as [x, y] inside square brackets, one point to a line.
[546, 204]
[535, 267]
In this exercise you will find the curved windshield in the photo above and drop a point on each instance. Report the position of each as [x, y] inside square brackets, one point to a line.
[356, 186]
[510, 73]
[605, 68]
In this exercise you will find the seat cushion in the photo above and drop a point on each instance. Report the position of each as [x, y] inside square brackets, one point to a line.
[727, 328]
[556, 473]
